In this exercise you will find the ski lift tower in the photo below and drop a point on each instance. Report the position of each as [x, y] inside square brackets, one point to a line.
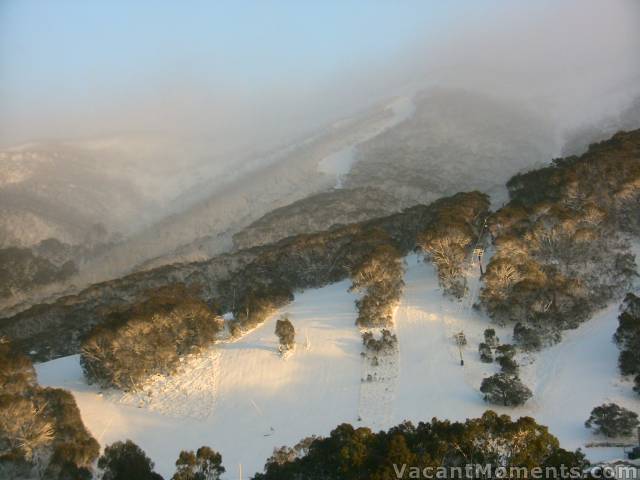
[461, 341]
[479, 253]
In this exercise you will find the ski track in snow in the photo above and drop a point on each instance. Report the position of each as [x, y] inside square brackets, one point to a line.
[244, 399]
[378, 385]
[339, 163]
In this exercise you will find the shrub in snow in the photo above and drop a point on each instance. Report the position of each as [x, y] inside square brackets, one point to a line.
[636, 384]
[387, 341]
[612, 420]
[490, 338]
[504, 389]
[505, 358]
[126, 461]
[286, 334]
[527, 338]
[148, 338]
[486, 355]
[205, 464]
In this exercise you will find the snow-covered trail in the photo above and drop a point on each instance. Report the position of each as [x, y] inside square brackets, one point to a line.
[339, 163]
[567, 380]
[432, 381]
[262, 401]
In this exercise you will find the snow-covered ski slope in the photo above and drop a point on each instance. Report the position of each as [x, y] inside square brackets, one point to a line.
[243, 399]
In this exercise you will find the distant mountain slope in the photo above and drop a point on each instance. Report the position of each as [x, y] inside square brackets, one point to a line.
[50, 192]
[455, 141]
[316, 213]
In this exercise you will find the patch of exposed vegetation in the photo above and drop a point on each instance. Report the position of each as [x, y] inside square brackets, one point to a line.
[41, 431]
[148, 338]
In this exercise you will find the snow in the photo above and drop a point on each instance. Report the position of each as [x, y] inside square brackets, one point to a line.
[567, 380]
[339, 163]
[260, 400]
[243, 399]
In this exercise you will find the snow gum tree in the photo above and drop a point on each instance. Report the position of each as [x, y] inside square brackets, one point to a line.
[379, 276]
[147, 338]
[505, 389]
[558, 250]
[286, 334]
[627, 337]
[612, 421]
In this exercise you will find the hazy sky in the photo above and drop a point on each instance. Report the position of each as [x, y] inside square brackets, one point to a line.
[75, 68]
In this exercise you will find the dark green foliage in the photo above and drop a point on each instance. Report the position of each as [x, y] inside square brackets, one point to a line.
[148, 338]
[486, 354]
[126, 461]
[359, 454]
[286, 334]
[612, 421]
[205, 464]
[526, 337]
[256, 306]
[505, 358]
[627, 336]
[490, 338]
[505, 389]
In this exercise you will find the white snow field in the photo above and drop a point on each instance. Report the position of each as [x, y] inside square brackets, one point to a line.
[243, 399]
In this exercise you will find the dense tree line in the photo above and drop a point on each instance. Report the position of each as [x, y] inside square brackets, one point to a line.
[127, 461]
[627, 337]
[447, 243]
[350, 453]
[148, 338]
[558, 253]
[379, 276]
[21, 270]
[255, 306]
[41, 431]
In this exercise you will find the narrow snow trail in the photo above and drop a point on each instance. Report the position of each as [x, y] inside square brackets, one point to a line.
[432, 382]
[340, 162]
[378, 385]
